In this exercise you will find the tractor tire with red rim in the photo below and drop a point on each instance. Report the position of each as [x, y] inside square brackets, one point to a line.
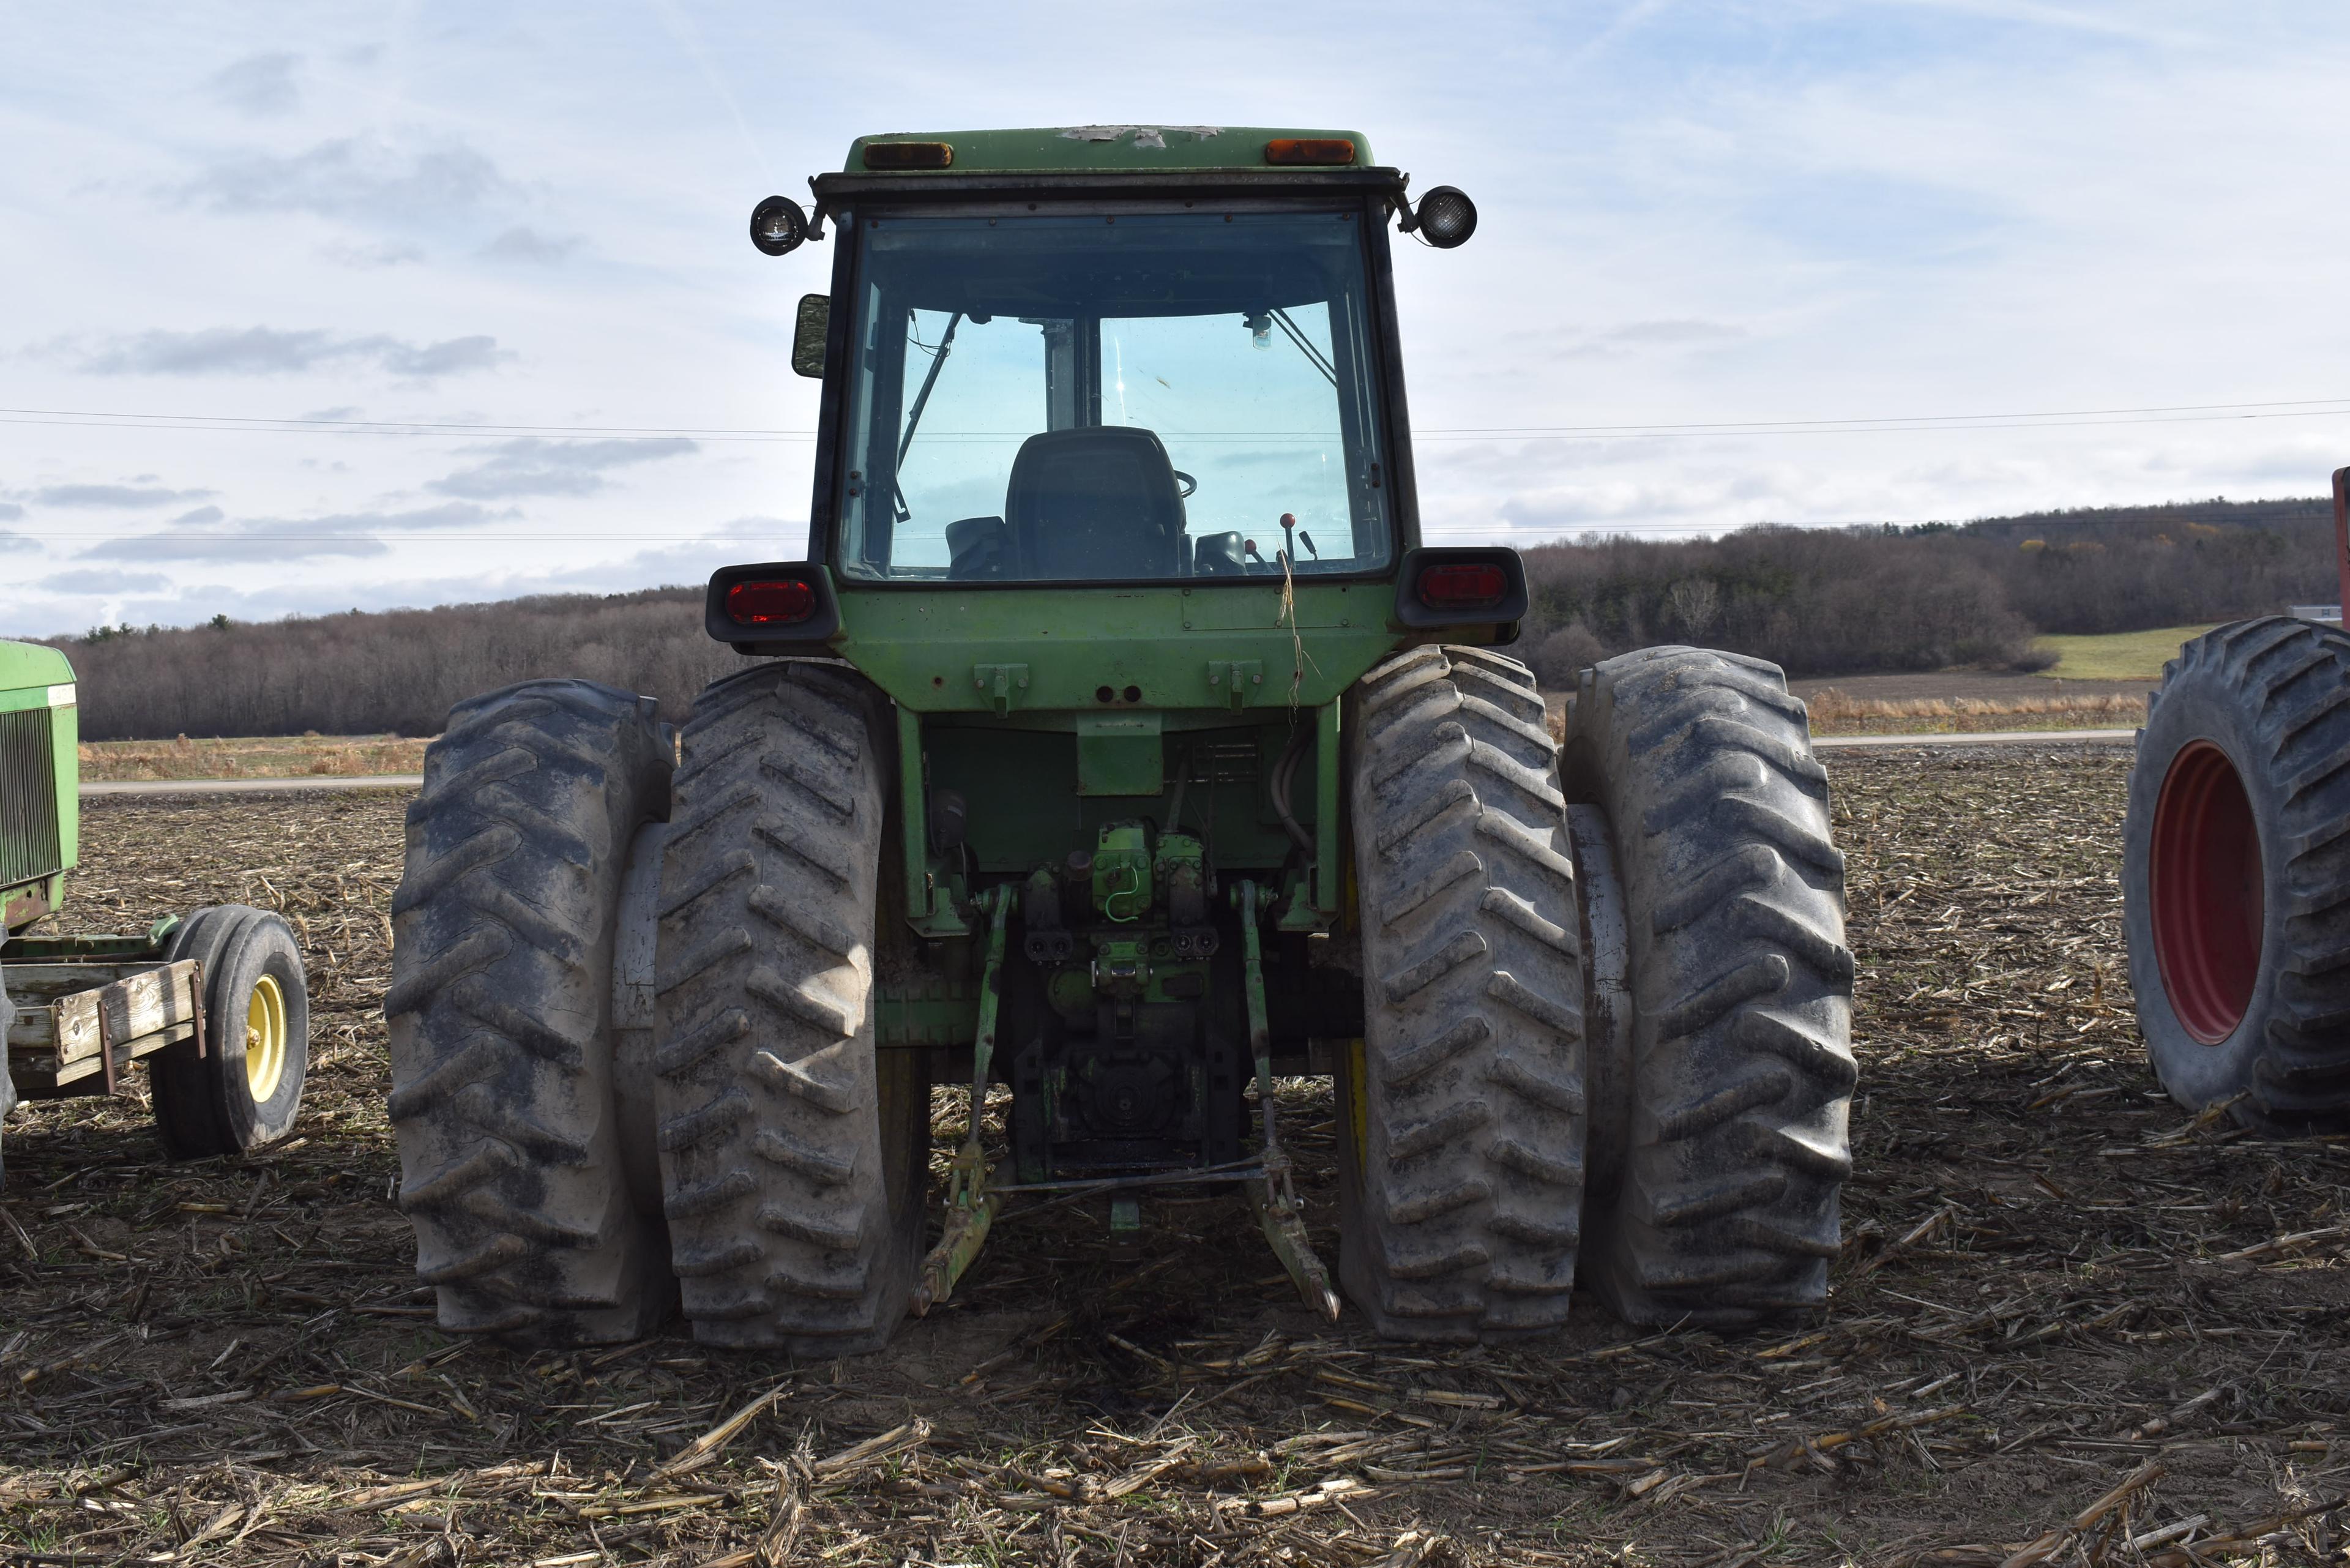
[2236, 874]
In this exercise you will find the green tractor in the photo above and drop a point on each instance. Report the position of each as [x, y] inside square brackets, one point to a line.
[215, 1002]
[1120, 742]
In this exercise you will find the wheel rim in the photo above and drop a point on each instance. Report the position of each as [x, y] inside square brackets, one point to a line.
[2205, 888]
[265, 1039]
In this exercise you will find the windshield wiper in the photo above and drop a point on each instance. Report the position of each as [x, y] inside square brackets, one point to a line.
[914, 419]
[1306, 345]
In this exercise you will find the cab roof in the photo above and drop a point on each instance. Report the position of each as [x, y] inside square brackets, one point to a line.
[1107, 149]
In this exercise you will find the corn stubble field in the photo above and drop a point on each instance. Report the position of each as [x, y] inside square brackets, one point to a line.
[2071, 1324]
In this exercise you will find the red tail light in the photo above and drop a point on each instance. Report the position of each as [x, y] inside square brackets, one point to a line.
[1462, 586]
[759, 601]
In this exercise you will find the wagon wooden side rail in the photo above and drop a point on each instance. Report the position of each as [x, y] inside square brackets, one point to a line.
[79, 1026]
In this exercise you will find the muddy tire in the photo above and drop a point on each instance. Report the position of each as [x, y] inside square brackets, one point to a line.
[1462, 1125]
[244, 1091]
[500, 1007]
[2236, 874]
[1725, 1119]
[793, 1155]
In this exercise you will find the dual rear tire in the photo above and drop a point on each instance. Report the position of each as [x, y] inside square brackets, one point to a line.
[594, 1128]
[795, 1154]
[1607, 1000]
[1641, 1088]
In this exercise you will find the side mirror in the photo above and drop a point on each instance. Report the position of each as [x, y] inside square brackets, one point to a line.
[808, 342]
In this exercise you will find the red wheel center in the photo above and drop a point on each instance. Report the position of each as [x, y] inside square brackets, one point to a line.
[2204, 884]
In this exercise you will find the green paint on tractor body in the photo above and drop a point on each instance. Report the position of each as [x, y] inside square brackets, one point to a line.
[40, 780]
[1113, 497]
[1206, 690]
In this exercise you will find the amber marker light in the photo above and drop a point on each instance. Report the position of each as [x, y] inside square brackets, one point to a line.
[909, 154]
[1318, 150]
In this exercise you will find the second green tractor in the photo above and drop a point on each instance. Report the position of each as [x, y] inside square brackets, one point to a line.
[1122, 741]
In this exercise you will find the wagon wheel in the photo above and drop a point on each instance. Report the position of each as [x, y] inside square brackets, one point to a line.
[245, 1088]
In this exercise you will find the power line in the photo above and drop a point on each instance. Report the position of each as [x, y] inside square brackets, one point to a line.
[2309, 403]
[421, 535]
[2173, 413]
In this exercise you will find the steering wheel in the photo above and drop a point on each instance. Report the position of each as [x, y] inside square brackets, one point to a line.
[1186, 486]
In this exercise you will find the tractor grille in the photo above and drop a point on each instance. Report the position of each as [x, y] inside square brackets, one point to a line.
[28, 798]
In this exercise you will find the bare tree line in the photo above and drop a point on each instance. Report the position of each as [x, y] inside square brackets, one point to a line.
[397, 672]
[1814, 601]
[1852, 600]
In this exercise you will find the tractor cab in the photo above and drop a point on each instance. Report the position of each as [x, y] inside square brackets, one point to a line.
[1091, 394]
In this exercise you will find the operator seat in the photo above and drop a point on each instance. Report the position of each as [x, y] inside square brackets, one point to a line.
[1099, 503]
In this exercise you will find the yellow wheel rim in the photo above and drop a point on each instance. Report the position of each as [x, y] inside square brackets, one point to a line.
[265, 1039]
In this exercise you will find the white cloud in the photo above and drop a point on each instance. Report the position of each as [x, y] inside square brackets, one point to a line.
[373, 256]
[375, 180]
[271, 351]
[526, 244]
[530, 466]
[110, 495]
[260, 84]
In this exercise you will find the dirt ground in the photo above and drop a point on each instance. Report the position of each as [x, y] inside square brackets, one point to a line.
[1951, 685]
[269, 756]
[2068, 1318]
[1951, 702]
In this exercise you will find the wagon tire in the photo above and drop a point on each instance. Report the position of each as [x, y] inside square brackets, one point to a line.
[242, 1090]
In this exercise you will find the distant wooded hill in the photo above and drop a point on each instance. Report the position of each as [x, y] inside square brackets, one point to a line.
[1815, 601]
[395, 672]
[1849, 600]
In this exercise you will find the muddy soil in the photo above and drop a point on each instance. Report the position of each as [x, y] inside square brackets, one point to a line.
[2068, 1314]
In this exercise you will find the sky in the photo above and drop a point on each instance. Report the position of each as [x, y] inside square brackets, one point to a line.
[318, 308]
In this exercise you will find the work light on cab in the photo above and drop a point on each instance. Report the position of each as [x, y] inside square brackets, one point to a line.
[778, 225]
[1446, 217]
